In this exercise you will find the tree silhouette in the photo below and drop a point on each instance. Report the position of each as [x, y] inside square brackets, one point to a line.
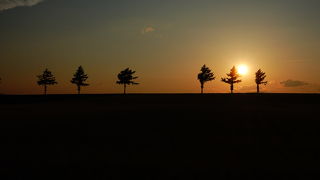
[204, 76]
[126, 78]
[79, 78]
[46, 79]
[232, 78]
[260, 76]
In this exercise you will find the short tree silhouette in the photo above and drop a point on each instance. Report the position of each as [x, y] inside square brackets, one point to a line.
[79, 78]
[232, 78]
[260, 76]
[204, 76]
[126, 78]
[46, 79]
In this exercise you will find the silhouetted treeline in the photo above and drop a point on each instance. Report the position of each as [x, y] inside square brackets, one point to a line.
[126, 77]
[232, 78]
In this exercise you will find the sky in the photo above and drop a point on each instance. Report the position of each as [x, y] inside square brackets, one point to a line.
[165, 41]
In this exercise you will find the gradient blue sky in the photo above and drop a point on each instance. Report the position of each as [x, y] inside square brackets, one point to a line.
[165, 41]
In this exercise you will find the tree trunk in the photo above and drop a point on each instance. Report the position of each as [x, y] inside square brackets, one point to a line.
[201, 88]
[79, 88]
[258, 88]
[45, 89]
[124, 89]
[231, 88]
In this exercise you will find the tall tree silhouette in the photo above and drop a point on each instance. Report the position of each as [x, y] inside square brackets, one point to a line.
[46, 79]
[204, 76]
[126, 78]
[79, 78]
[232, 78]
[260, 76]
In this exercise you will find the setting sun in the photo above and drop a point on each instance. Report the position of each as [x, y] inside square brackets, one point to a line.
[242, 69]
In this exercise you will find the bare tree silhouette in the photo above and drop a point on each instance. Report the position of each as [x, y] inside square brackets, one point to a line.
[79, 78]
[126, 78]
[204, 76]
[232, 78]
[260, 76]
[46, 79]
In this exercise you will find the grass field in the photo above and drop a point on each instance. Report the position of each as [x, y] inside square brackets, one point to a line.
[160, 136]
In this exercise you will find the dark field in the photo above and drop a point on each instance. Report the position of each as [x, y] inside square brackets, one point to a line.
[186, 136]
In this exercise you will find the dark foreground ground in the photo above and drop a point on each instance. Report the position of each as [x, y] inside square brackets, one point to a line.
[222, 136]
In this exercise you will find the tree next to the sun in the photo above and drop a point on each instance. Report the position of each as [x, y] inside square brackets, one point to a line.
[126, 78]
[260, 76]
[79, 78]
[46, 79]
[232, 78]
[204, 76]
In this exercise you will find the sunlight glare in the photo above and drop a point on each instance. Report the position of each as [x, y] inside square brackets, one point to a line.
[242, 69]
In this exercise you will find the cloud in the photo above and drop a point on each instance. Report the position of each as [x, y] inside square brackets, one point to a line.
[9, 4]
[293, 83]
[148, 29]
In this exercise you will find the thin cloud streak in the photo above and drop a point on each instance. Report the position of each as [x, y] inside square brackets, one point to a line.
[9, 4]
[293, 83]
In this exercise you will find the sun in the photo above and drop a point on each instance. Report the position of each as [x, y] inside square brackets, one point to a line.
[242, 69]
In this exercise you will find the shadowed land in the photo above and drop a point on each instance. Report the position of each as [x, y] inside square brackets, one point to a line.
[157, 136]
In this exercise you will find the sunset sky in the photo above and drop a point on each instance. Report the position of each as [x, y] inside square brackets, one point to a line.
[165, 41]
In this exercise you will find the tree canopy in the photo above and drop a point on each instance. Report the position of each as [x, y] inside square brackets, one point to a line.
[126, 77]
[204, 76]
[45, 79]
[79, 78]
[260, 76]
[232, 78]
